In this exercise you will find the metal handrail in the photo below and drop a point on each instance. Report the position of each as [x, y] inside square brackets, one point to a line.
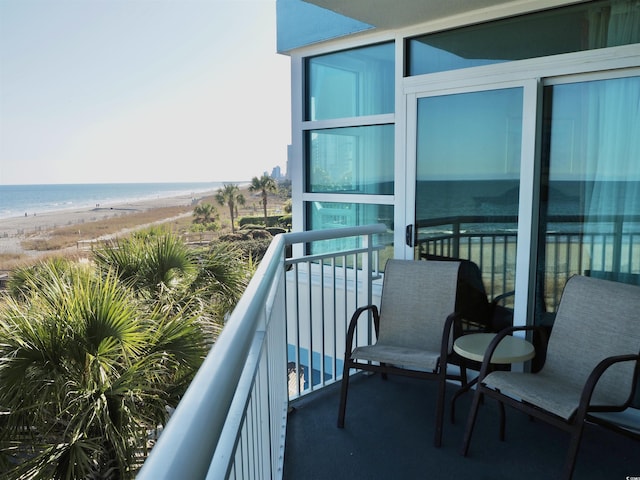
[188, 442]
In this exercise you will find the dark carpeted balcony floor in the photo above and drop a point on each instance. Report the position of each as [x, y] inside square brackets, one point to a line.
[388, 434]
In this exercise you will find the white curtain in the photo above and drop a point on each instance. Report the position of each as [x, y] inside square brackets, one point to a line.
[613, 131]
[613, 146]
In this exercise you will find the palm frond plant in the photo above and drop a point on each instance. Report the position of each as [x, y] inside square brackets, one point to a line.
[86, 370]
[25, 279]
[154, 264]
[223, 275]
[205, 214]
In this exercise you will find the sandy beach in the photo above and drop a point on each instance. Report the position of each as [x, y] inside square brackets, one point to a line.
[14, 230]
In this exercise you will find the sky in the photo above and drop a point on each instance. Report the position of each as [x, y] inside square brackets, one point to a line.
[103, 91]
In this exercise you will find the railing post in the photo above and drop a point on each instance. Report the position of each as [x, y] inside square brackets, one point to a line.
[456, 240]
[367, 269]
[617, 245]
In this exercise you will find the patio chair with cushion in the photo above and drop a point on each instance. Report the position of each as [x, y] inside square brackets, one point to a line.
[414, 328]
[591, 363]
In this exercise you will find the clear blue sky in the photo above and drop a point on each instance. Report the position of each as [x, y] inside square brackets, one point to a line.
[140, 91]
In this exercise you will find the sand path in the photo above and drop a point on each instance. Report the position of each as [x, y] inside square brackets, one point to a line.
[14, 230]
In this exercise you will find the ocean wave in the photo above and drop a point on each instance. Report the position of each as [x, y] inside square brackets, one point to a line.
[18, 200]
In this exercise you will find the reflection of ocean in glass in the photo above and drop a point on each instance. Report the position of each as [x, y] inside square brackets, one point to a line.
[16, 200]
[486, 198]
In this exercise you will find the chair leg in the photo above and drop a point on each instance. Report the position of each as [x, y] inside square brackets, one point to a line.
[471, 421]
[463, 374]
[442, 384]
[574, 445]
[503, 421]
[465, 386]
[343, 395]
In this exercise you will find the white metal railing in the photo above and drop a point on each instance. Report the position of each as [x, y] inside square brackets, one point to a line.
[231, 422]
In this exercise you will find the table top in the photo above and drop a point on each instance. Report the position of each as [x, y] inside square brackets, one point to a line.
[509, 350]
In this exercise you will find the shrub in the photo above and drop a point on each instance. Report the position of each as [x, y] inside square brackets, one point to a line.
[272, 221]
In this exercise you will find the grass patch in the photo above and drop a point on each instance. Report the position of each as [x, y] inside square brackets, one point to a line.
[69, 235]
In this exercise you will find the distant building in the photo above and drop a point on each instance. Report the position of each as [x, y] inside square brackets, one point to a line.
[276, 174]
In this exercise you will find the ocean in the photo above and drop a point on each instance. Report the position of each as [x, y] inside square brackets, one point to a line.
[16, 200]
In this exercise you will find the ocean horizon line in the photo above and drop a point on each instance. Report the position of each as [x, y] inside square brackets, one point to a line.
[27, 200]
[122, 183]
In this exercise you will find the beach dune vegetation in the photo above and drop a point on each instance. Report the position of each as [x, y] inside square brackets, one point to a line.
[154, 262]
[87, 371]
[206, 216]
[94, 355]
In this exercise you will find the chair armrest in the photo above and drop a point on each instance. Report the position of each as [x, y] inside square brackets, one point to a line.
[502, 296]
[594, 377]
[354, 321]
[448, 330]
[484, 369]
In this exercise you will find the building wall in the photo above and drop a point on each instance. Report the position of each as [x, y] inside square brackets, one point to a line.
[531, 76]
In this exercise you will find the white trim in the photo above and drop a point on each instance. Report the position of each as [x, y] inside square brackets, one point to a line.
[593, 76]
[363, 121]
[401, 216]
[613, 58]
[528, 204]
[296, 159]
[528, 179]
[336, 197]
[361, 39]
[411, 138]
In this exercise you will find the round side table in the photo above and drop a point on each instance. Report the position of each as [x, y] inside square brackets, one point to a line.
[473, 347]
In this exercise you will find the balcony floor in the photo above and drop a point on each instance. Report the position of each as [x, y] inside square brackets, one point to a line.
[389, 434]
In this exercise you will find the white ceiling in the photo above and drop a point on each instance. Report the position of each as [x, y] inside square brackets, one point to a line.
[392, 14]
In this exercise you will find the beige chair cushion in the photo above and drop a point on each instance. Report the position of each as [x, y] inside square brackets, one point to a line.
[417, 298]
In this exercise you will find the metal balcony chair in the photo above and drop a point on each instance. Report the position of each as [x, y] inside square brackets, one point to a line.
[414, 328]
[591, 364]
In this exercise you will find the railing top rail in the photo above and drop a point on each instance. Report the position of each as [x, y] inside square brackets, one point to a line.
[437, 221]
[329, 255]
[187, 444]
[315, 235]
[185, 447]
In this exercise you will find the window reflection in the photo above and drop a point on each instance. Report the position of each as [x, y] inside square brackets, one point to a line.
[353, 160]
[351, 83]
[576, 28]
[327, 215]
[468, 176]
[590, 192]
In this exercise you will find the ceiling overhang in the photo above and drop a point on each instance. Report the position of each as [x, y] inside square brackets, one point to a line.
[395, 14]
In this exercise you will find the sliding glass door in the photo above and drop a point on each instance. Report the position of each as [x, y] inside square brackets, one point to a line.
[590, 187]
[468, 153]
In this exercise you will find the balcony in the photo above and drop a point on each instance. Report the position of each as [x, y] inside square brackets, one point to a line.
[264, 403]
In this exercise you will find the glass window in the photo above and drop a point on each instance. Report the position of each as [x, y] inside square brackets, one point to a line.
[327, 215]
[351, 160]
[351, 83]
[590, 191]
[468, 172]
[581, 27]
